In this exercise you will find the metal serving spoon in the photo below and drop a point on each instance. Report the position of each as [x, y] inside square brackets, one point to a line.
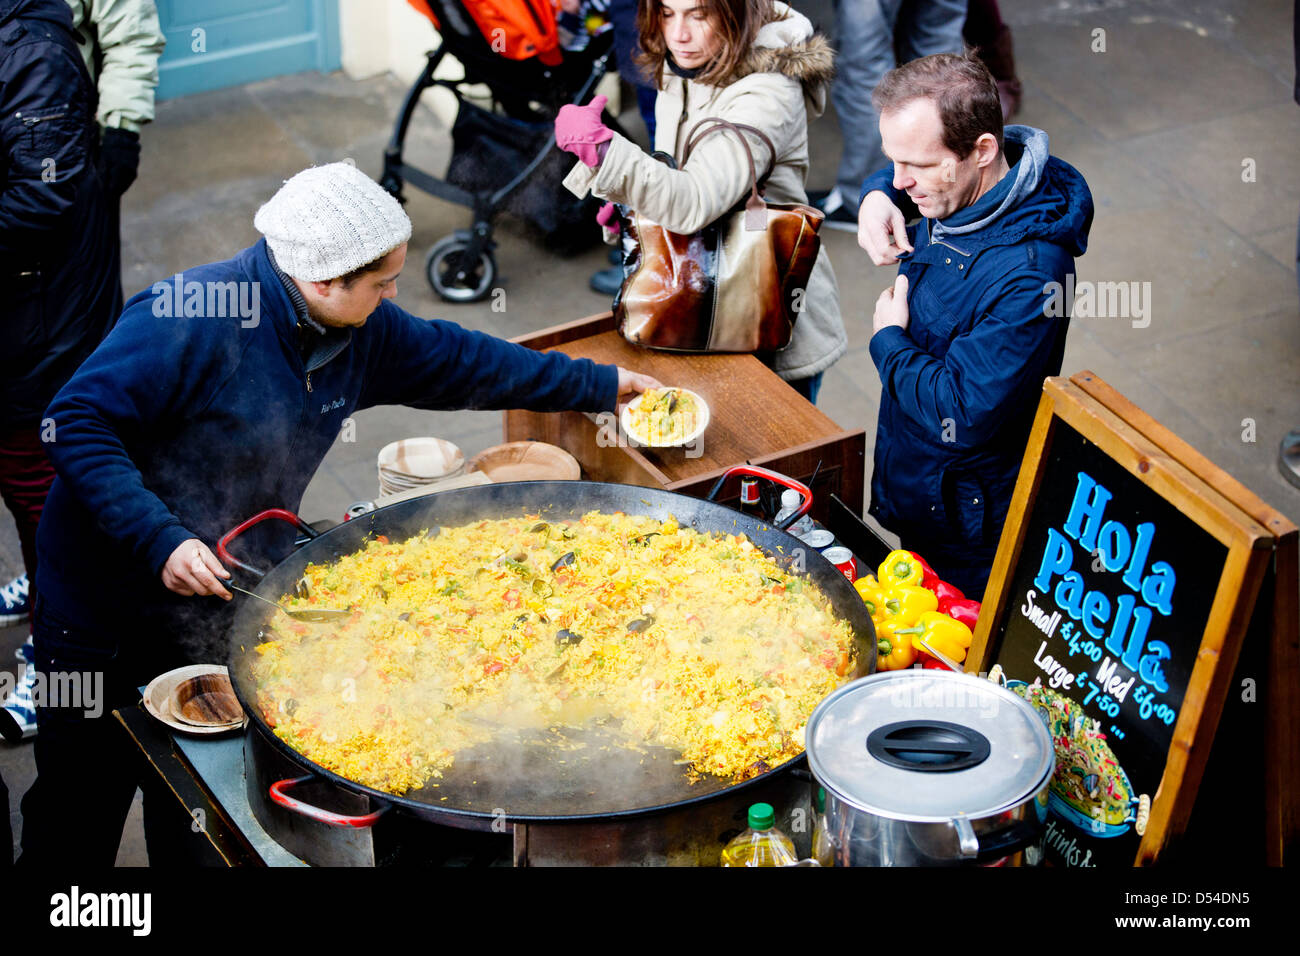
[315, 615]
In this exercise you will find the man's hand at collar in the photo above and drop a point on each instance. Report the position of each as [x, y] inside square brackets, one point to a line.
[882, 229]
[891, 307]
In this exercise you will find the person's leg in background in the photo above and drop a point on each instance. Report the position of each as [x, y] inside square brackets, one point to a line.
[926, 27]
[808, 387]
[6, 831]
[15, 601]
[64, 822]
[991, 38]
[1288, 456]
[864, 54]
[622, 14]
[25, 479]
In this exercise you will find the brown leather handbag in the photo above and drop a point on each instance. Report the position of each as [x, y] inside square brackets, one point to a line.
[737, 285]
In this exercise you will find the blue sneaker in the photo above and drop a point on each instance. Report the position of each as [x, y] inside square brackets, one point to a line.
[13, 601]
[18, 715]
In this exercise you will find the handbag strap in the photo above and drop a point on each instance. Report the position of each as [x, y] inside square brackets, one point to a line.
[719, 124]
[755, 210]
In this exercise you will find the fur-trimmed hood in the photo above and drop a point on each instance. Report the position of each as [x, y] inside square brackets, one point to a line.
[791, 47]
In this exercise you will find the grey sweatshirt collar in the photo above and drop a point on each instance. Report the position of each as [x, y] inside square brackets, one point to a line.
[1028, 171]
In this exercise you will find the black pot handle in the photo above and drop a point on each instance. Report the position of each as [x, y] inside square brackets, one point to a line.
[1005, 842]
[928, 746]
[224, 554]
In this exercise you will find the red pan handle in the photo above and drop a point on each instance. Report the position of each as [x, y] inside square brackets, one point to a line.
[281, 797]
[754, 471]
[222, 546]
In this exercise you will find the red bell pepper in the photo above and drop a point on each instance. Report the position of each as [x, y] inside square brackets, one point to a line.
[965, 610]
[928, 578]
[947, 592]
[929, 663]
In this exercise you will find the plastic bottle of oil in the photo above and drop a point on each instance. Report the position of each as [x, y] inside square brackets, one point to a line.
[762, 844]
[823, 850]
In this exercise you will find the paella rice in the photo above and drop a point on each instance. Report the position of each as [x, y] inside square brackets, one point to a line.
[663, 416]
[673, 638]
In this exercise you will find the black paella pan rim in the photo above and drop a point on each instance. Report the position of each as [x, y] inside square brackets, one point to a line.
[568, 499]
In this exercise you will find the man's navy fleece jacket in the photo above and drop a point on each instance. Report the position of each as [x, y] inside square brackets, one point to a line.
[179, 428]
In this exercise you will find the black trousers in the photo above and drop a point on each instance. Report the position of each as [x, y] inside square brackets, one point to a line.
[6, 831]
[87, 767]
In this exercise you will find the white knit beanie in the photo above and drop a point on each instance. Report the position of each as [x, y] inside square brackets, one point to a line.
[328, 220]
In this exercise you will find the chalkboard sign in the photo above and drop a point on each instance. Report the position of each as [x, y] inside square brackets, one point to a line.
[1114, 607]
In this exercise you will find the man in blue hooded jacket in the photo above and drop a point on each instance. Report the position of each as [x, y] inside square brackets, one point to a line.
[968, 332]
[215, 397]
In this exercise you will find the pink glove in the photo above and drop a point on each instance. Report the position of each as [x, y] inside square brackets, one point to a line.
[578, 130]
[607, 217]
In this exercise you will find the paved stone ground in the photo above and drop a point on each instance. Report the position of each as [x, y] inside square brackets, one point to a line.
[1184, 127]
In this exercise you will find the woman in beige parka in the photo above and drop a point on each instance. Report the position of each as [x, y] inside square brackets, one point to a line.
[756, 62]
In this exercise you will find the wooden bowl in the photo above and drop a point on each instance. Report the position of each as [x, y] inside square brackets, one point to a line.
[526, 461]
[158, 696]
[205, 700]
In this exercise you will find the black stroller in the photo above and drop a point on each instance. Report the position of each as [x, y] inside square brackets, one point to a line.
[502, 160]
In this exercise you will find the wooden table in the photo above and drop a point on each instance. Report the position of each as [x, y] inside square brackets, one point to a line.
[756, 418]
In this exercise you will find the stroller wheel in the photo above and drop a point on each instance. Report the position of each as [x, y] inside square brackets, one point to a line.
[454, 279]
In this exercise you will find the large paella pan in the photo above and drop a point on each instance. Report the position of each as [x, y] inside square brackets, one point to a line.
[559, 772]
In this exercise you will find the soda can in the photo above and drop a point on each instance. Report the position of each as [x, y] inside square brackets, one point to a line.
[357, 509]
[843, 559]
[819, 539]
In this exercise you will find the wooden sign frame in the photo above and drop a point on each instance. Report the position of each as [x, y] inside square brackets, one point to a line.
[1167, 466]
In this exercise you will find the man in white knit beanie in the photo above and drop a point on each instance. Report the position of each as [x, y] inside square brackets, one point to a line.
[216, 396]
[336, 223]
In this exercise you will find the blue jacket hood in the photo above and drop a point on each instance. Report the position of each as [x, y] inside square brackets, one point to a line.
[1048, 200]
[55, 11]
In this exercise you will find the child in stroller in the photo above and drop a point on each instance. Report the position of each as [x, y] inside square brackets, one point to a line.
[502, 159]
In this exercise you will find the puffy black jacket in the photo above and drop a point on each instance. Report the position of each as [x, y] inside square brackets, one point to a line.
[59, 256]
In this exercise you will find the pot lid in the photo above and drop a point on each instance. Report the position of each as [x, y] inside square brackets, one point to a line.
[928, 745]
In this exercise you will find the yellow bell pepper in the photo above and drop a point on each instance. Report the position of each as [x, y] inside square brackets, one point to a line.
[894, 652]
[905, 604]
[948, 637]
[873, 596]
[900, 567]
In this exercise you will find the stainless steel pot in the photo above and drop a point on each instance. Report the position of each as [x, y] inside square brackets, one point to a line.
[931, 768]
